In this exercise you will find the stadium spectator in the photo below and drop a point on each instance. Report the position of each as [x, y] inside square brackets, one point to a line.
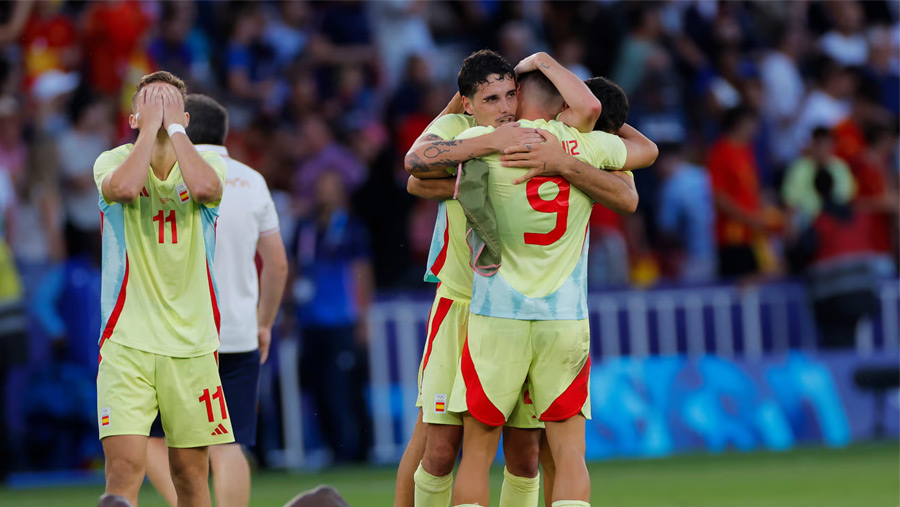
[322, 153]
[736, 194]
[49, 42]
[783, 89]
[91, 134]
[846, 43]
[332, 289]
[685, 217]
[876, 196]
[798, 190]
[401, 30]
[827, 104]
[115, 30]
[170, 49]
[250, 66]
[840, 267]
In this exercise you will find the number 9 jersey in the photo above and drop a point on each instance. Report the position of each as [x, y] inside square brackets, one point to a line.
[159, 292]
[542, 226]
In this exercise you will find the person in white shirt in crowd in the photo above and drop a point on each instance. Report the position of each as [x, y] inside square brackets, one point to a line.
[784, 89]
[247, 225]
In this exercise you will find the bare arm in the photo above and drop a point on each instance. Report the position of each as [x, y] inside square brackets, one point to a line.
[431, 156]
[271, 287]
[725, 204]
[584, 108]
[642, 152]
[125, 183]
[435, 189]
[613, 189]
[201, 179]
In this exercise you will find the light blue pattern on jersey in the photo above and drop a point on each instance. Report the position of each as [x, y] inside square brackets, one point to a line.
[492, 296]
[437, 242]
[208, 217]
[114, 259]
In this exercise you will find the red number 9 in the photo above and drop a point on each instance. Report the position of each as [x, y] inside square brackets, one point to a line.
[558, 205]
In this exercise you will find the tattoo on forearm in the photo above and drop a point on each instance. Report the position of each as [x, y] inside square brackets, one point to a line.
[437, 148]
[416, 165]
[544, 66]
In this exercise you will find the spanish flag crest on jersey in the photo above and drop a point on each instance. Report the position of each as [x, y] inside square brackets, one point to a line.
[182, 191]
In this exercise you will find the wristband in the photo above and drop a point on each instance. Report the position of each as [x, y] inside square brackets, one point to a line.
[175, 127]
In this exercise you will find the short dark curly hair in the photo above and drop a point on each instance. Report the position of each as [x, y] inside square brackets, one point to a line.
[478, 67]
[614, 102]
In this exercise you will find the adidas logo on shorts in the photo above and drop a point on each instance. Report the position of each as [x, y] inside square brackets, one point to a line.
[220, 430]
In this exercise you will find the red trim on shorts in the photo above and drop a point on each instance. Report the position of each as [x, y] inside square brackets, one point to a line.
[477, 401]
[117, 310]
[216, 356]
[212, 298]
[442, 256]
[572, 399]
[443, 308]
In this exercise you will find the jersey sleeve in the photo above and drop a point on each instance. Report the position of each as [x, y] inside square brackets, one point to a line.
[605, 151]
[449, 126]
[106, 163]
[266, 215]
[218, 164]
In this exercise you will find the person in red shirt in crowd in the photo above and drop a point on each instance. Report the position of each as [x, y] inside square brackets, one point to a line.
[49, 42]
[736, 194]
[876, 194]
[114, 30]
[838, 259]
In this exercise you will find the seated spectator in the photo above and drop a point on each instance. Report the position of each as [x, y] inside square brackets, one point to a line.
[798, 189]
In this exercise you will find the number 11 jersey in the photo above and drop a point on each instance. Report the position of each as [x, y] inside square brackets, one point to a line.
[158, 291]
[542, 226]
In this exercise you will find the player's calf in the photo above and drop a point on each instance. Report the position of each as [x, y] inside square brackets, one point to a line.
[190, 474]
[566, 441]
[479, 448]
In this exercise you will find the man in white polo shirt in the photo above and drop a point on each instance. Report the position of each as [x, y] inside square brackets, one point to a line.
[247, 224]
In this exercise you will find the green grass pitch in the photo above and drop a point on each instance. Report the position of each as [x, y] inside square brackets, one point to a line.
[859, 476]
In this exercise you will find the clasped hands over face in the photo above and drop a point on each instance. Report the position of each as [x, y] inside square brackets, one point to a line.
[159, 105]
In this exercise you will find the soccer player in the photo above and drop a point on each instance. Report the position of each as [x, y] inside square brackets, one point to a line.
[435, 149]
[248, 224]
[529, 322]
[160, 311]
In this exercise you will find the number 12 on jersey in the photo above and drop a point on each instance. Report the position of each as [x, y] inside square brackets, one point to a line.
[558, 205]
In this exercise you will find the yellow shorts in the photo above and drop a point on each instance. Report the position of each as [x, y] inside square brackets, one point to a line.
[132, 385]
[446, 335]
[551, 358]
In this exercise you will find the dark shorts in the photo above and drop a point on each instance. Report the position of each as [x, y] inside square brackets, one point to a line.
[240, 383]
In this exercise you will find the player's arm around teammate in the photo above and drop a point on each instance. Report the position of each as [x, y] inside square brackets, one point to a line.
[431, 156]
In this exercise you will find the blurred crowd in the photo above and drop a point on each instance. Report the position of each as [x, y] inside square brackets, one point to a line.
[776, 122]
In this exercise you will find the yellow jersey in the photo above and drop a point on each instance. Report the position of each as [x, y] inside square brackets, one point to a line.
[158, 290]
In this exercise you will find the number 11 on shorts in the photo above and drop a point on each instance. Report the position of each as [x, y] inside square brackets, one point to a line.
[206, 398]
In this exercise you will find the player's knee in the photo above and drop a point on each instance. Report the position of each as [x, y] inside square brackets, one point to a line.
[439, 459]
[522, 462]
[124, 469]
